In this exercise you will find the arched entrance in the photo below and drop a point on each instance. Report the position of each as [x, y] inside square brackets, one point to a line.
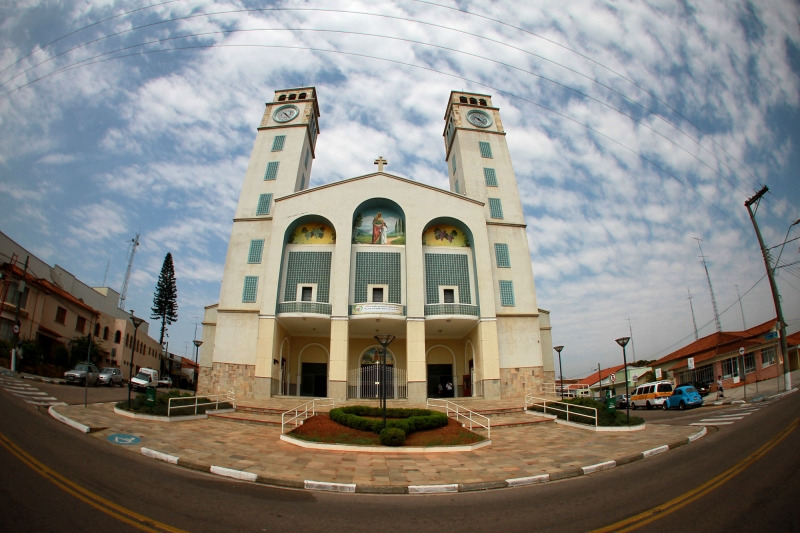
[313, 371]
[364, 381]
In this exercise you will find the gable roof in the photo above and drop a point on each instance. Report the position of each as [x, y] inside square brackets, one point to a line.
[595, 377]
[720, 342]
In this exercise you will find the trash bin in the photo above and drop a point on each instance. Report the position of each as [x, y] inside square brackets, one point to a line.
[151, 395]
[611, 406]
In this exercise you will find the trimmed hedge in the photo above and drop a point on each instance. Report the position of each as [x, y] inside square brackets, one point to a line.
[405, 420]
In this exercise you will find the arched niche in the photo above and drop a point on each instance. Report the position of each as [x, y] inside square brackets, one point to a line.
[379, 221]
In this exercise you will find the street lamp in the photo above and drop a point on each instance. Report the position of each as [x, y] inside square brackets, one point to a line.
[560, 372]
[197, 344]
[384, 341]
[136, 323]
[623, 341]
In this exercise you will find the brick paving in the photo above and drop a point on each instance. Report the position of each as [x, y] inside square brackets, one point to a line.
[517, 455]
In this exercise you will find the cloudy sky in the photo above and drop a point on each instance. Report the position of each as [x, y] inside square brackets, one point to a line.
[634, 129]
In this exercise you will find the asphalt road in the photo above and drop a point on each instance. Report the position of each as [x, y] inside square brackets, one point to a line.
[57, 479]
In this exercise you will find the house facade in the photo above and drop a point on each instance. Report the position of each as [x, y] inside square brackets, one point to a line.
[319, 281]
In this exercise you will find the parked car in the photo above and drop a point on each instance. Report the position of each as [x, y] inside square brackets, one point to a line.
[702, 387]
[110, 376]
[621, 401]
[166, 381]
[82, 374]
[683, 397]
[146, 377]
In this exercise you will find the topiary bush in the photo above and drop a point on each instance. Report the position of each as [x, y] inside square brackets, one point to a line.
[392, 436]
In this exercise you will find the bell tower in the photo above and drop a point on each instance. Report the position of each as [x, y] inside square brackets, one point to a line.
[479, 167]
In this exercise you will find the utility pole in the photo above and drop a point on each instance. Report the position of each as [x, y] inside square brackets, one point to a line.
[787, 376]
[124, 294]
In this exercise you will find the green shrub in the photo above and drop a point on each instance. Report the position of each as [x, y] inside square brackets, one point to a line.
[392, 436]
[161, 406]
[406, 420]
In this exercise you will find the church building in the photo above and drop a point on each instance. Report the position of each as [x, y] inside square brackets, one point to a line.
[318, 281]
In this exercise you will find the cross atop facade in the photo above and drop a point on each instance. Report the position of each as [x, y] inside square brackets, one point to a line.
[380, 162]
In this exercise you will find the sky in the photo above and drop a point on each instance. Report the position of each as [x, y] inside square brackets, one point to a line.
[637, 132]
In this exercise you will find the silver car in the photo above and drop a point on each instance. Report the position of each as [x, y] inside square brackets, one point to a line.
[110, 376]
[82, 374]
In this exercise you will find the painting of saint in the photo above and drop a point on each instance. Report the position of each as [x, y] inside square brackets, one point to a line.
[385, 226]
[378, 229]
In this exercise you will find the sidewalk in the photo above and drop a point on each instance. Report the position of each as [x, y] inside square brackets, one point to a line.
[516, 456]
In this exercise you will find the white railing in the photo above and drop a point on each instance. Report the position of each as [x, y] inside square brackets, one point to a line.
[571, 390]
[560, 407]
[194, 402]
[303, 411]
[461, 412]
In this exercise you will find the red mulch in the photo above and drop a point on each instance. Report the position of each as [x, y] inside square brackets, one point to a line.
[321, 428]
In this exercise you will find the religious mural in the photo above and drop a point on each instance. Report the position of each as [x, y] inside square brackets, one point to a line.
[373, 356]
[313, 233]
[444, 235]
[382, 225]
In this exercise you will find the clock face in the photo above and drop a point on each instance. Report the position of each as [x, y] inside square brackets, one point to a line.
[479, 118]
[285, 113]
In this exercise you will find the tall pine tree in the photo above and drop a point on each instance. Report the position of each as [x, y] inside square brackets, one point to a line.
[165, 301]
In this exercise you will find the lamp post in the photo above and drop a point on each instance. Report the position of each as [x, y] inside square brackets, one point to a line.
[384, 341]
[560, 372]
[197, 344]
[136, 323]
[623, 341]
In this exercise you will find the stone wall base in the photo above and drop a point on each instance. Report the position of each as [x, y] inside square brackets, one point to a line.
[519, 381]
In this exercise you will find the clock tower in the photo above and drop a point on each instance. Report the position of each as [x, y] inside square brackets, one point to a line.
[479, 166]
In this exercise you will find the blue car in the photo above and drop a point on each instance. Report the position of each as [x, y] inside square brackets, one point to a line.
[683, 397]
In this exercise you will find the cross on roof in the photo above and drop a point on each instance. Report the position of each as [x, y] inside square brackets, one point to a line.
[380, 162]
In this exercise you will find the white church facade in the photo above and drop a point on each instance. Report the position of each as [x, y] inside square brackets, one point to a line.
[315, 278]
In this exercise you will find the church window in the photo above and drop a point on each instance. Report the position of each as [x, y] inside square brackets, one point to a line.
[457, 191]
[378, 269]
[463, 99]
[272, 170]
[473, 101]
[308, 269]
[486, 150]
[250, 289]
[278, 142]
[501, 255]
[507, 293]
[292, 96]
[490, 176]
[302, 96]
[117, 337]
[281, 98]
[448, 295]
[256, 250]
[482, 101]
[105, 333]
[495, 208]
[454, 164]
[264, 202]
[447, 271]
[308, 154]
[306, 293]
[376, 293]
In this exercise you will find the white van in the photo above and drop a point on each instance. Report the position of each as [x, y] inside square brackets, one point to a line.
[146, 377]
[651, 394]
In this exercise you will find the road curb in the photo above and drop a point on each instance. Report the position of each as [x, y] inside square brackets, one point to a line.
[397, 489]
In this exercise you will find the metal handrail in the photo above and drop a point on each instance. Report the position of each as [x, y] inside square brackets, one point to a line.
[302, 410]
[571, 390]
[229, 397]
[462, 412]
[549, 404]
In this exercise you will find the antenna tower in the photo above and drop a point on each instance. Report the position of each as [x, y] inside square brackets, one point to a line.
[124, 293]
[694, 322]
[710, 288]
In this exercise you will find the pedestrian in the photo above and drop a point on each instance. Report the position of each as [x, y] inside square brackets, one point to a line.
[720, 390]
